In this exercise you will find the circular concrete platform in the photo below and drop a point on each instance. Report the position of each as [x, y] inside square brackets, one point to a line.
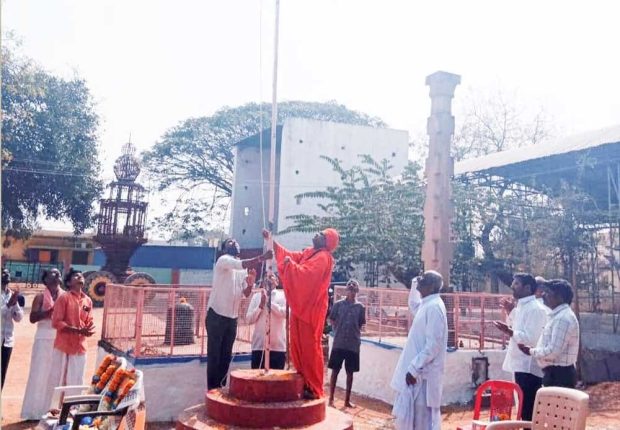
[257, 386]
[229, 410]
[195, 418]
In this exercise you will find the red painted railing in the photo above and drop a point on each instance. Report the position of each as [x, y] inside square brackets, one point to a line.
[169, 320]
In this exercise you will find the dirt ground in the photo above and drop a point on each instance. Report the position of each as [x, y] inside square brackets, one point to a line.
[369, 414]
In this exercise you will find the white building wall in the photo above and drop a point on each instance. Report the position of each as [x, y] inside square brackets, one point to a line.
[247, 209]
[304, 141]
[172, 387]
[377, 364]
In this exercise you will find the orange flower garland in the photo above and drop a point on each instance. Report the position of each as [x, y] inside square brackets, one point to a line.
[105, 378]
[101, 370]
[112, 392]
[125, 387]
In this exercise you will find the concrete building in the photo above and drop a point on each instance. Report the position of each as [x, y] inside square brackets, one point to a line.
[180, 264]
[49, 246]
[299, 168]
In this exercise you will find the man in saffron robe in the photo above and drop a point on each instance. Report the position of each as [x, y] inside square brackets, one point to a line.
[305, 276]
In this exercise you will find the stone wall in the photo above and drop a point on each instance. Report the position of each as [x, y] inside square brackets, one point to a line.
[600, 353]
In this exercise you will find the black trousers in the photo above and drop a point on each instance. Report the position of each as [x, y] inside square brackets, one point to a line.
[529, 385]
[221, 334]
[560, 376]
[277, 359]
[6, 357]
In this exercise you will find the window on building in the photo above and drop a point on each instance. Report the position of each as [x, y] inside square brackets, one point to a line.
[45, 256]
[79, 257]
[32, 254]
[49, 256]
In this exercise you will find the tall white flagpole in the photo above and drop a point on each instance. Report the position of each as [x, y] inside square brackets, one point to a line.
[272, 177]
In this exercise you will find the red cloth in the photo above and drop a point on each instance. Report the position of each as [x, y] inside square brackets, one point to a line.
[306, 280]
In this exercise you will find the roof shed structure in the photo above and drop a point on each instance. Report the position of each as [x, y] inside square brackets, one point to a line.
[589, 161]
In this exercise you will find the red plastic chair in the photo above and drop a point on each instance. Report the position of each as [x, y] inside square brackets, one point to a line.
[502, 400]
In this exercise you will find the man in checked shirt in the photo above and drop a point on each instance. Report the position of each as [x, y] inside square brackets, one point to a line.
[557, 348]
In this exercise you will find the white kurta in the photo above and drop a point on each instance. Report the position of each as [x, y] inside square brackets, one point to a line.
[39, 390]
[527, 320]
[424, 357]
[258, 317]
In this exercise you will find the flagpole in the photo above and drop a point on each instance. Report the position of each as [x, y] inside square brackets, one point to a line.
[272, 177]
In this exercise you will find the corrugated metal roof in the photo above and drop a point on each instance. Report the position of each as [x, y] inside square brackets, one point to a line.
[573, 143]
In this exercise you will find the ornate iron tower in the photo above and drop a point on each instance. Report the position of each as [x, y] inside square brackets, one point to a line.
[121, 226]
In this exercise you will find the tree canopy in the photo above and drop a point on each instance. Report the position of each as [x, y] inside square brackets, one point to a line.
[194, 159]
[503, 228]
[496, 122]
[379, 218]
[50, 165]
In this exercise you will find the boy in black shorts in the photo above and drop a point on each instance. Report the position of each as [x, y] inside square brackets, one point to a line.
[347, 318]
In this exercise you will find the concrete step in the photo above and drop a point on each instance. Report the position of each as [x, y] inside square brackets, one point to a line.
[196, 418]
[257, 386]
[229, 410]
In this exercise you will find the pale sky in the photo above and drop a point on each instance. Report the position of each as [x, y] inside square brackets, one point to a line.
[151, 64]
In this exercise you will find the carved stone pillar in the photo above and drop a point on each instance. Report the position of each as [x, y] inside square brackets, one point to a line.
[438, 248]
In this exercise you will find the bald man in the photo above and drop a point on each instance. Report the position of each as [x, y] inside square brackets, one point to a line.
[306, 276]
[418, 378]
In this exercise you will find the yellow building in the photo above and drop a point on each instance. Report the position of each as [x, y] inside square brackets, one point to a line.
[50, 247]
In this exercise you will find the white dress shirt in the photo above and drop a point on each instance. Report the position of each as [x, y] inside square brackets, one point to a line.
[9, 315]
[528, 319]
[424, 354]
[540, 300]
[559, 343]
[258, 316]
[228, 283]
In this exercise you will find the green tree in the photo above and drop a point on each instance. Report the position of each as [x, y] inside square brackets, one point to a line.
[379, 218]
[492, 222]
[50, 166]
[194, 159]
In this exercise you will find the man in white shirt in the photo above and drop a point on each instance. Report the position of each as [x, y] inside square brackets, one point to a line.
[556, 350]
[418, 377]
[11, 312]
[528, 319]
[509, 304]
[257, 315]
[229, 274]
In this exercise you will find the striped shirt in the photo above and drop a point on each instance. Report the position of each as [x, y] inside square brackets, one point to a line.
[559, 343]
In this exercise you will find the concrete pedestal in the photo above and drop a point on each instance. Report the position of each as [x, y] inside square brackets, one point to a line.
[259, 400]
[195, 418]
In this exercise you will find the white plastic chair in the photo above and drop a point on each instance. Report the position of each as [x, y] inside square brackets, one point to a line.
[555, 408]
[64, 391]
[129, 414]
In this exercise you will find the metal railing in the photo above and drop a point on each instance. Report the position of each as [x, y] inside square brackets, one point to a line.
[470, 317]
[29, 272]
[603, 302]
[169, 320]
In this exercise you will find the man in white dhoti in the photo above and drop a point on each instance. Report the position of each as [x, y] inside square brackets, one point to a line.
[39, 389]
[418, 378]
